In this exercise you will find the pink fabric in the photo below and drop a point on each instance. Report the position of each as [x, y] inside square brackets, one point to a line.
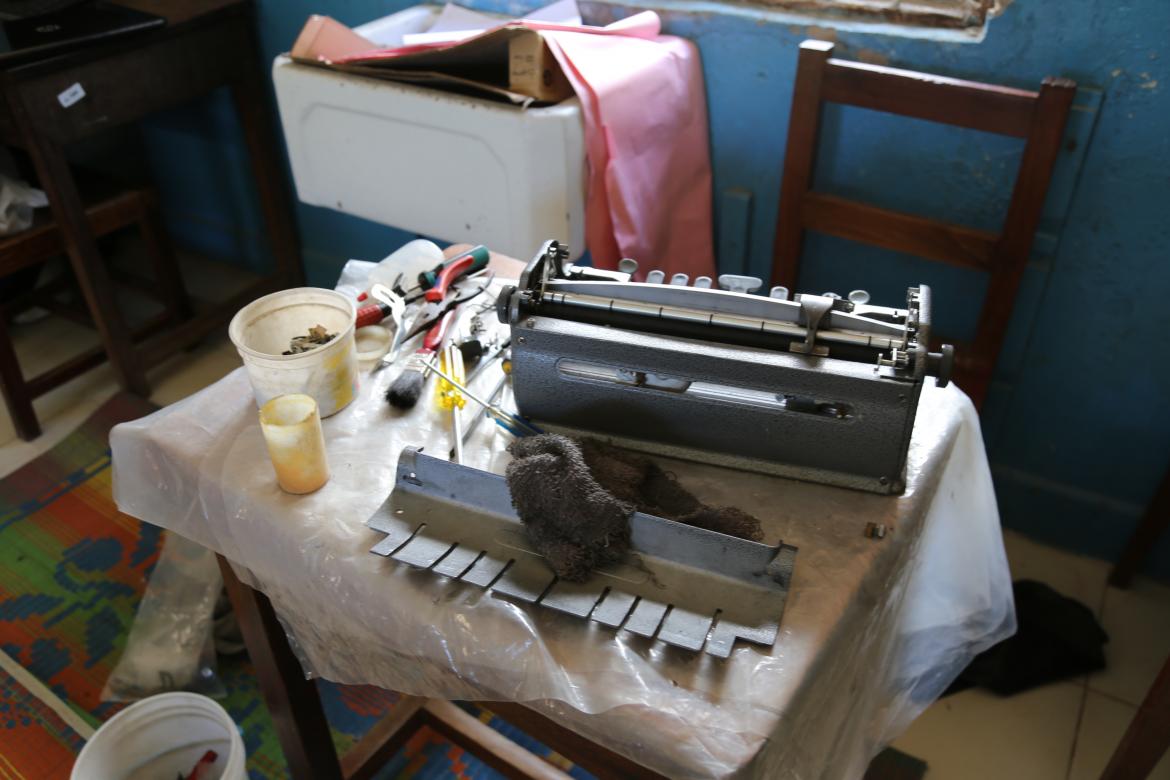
[645, 111]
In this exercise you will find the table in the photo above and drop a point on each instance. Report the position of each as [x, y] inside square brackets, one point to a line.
[205, 45]
[873, 629]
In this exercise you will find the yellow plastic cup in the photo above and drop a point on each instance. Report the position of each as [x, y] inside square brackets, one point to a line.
[291, 425]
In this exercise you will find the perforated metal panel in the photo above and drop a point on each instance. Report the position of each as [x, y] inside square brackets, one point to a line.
[685, 586]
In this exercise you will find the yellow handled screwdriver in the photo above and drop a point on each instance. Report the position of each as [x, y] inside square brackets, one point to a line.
[450, 396]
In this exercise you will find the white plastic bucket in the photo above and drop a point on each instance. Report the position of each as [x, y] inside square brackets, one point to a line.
[162, 737]
[261, 332]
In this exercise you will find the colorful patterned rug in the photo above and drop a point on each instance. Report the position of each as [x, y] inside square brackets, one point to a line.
[42, 744]
[72, 571]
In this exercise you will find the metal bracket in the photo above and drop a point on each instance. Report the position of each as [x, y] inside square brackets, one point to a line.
[686, 586]
[814, 308]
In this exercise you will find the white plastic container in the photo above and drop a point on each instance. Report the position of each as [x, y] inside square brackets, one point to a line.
[163, 737]
[452, 167]
[261, 332]
[410, 260]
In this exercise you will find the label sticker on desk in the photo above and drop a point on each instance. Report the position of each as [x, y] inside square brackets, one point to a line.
[71, 95]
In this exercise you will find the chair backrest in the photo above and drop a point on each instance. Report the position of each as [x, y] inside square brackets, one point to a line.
[1037, 117]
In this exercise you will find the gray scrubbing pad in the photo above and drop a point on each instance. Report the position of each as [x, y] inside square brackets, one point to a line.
[571, 520]
[642, 482]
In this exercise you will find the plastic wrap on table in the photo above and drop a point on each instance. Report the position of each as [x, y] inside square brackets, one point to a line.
[873, 629]
[171, 646]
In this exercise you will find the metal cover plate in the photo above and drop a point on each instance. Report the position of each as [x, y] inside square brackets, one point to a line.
[686, 586]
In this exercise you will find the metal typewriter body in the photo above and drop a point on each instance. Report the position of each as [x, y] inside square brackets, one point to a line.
[815, 388]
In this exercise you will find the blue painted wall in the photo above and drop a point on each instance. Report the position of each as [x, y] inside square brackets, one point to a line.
[1078, 426]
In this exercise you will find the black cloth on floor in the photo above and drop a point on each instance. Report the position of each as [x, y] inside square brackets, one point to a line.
[1057, 638]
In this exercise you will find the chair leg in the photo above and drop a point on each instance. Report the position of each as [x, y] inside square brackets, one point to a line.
[1153, 524]
[1148, 736]
[16, 395]
[163, 260]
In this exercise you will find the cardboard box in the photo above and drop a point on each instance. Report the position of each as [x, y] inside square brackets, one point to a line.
[510, 62]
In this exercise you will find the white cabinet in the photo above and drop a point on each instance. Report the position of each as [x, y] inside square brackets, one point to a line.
[451, 167]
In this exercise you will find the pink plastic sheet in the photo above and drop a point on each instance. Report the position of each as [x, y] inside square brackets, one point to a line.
[645, 110]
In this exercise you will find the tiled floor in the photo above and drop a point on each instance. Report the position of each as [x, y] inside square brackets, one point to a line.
[1062, 731]
[1067, 730]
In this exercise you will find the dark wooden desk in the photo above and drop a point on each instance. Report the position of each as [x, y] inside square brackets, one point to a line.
[206, 44]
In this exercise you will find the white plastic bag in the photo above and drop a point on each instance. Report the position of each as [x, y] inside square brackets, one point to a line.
[171, 647]
[17, 202]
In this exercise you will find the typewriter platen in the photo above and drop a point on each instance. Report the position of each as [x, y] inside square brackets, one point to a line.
[816, 388]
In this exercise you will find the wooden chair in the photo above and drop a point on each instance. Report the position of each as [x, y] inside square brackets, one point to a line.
[1149, 530]
[106, 211]
[1148, 737]
[1037, 117]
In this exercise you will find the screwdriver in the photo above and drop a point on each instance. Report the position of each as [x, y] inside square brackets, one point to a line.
[429, 280]
[515, 424]
[451, 398]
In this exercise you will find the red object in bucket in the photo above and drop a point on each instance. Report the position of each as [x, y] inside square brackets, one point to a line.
[200, 768]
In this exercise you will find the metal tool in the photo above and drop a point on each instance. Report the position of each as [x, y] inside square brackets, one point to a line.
[451, 397]
[517, 425]
[436, 296]
[497, 350]
[491, 397]
[817, 388]
[397, 306]
[686, 586]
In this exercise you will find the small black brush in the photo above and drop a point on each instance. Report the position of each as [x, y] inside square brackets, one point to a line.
[407, 387]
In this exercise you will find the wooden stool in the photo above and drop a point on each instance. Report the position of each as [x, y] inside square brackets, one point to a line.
[204, 46]
[43, 241]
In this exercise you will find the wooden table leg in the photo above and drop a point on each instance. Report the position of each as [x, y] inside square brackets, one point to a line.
[292, 700]
[69, 212]
[304, 736]
[1148, 736]
[251, 101]
[17, 396]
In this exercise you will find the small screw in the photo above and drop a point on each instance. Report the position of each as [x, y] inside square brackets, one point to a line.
[521, 339]
[883, 480]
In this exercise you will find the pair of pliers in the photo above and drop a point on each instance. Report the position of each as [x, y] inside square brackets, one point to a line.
[437, 302]
[439, 281]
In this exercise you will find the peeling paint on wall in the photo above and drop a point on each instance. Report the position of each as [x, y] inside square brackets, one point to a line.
[872, 56]
[821, 33]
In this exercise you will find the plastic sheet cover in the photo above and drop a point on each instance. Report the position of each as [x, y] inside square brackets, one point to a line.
[873, 629]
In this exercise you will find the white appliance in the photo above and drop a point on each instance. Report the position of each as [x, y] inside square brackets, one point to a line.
[455, 168]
